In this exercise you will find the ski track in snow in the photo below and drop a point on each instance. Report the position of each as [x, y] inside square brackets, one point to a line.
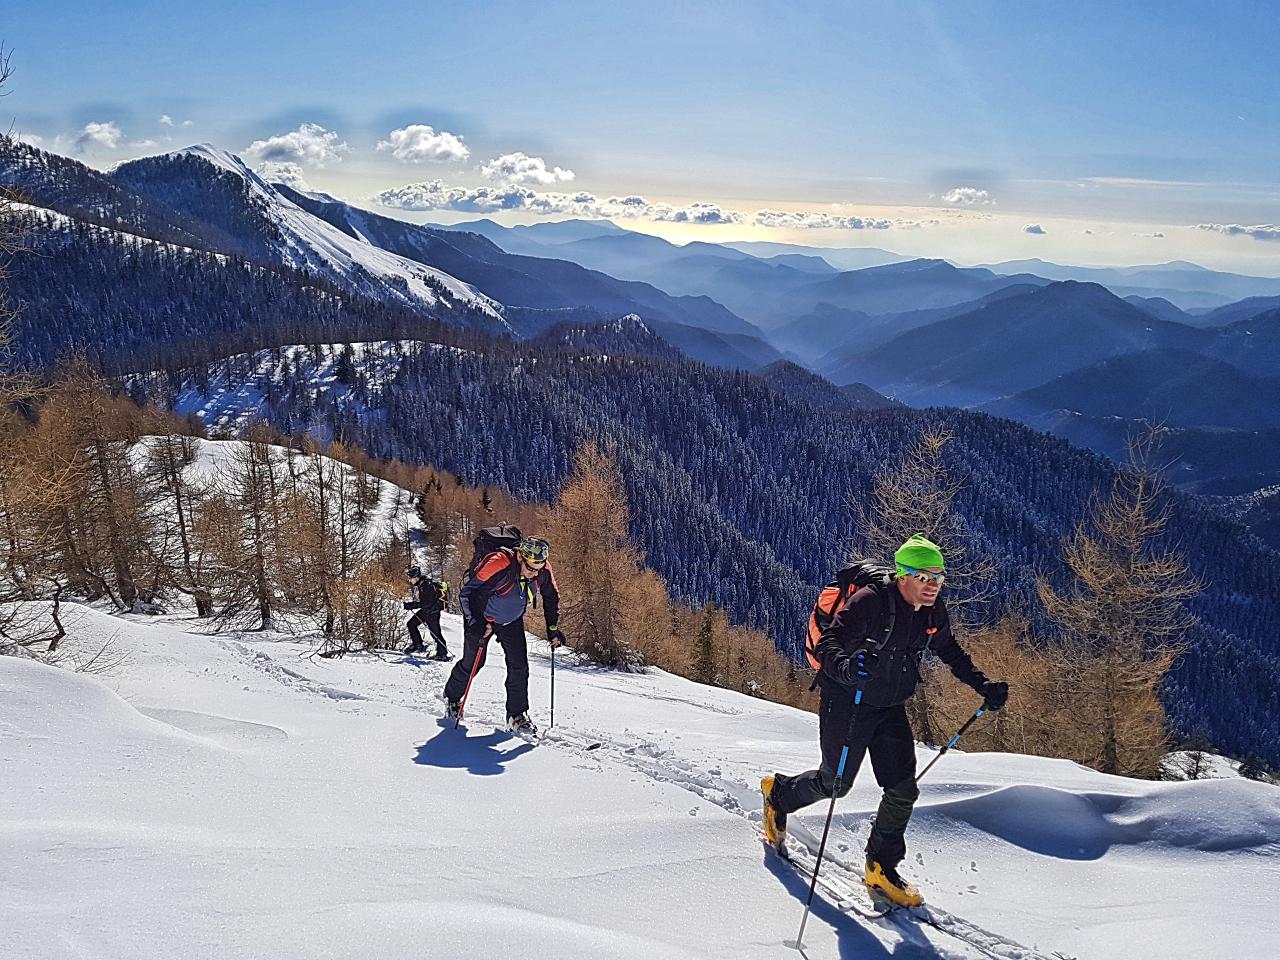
[662, 765]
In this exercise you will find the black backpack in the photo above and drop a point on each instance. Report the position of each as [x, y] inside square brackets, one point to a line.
[859, 574]
[490, 540]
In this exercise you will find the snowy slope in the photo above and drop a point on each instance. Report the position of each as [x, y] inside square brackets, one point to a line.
[309, 243]
[238, 389]
[227, 796]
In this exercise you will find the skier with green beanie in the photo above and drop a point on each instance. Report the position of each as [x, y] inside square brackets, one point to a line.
[867, 649]
[918, 554]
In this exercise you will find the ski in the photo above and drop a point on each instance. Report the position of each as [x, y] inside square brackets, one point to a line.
[571, 740]
[530, 738]
[842, 898]
[863, 905]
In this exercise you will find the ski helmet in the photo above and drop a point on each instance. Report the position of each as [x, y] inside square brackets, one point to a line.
[534, 550]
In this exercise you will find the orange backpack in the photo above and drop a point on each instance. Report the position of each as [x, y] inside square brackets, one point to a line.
[857, 576]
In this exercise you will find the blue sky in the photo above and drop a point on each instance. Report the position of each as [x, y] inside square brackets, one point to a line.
[1127, 133]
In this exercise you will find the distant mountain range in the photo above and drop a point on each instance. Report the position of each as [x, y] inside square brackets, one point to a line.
[1068, 355]
[206, 199]
[1163, 385]
[1188, 285]
[1074, 359]
[772, 291]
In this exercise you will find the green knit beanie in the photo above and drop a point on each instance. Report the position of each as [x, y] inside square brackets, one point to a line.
[917, 553]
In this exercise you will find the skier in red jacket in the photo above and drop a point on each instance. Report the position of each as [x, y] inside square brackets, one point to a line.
[493, 605]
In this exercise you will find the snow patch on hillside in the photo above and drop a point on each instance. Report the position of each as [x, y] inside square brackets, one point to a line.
[243, 387]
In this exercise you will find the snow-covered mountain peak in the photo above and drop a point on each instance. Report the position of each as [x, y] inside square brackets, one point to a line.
[224, 159]
[306, 242]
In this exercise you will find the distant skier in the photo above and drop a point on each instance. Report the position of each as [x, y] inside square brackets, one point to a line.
[493, 605]
[428, 600]
[873, 645]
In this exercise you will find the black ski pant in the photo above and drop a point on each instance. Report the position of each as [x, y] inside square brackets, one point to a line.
[431, 619]
[474, 646]
[886, 733]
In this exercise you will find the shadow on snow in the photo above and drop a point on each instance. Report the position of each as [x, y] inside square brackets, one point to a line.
[482, 756]
[855, 940]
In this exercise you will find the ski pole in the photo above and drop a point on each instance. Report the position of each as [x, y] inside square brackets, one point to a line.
[952, 742]
[835, 790]
[462, 704]
[813, 884]
[553, 686]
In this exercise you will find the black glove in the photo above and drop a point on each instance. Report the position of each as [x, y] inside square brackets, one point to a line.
[994, 695]
[854, 671]
[555, 637]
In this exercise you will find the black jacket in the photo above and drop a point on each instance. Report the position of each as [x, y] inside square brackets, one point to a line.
[895, 668]
[428, 596]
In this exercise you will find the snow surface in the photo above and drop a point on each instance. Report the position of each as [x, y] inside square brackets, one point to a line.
[228, 796]
[309, 243]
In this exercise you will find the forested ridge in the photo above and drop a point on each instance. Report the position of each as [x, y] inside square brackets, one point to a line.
[740, 495]
[134, 304]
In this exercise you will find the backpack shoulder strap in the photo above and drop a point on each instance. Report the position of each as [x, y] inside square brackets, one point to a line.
[495, 562]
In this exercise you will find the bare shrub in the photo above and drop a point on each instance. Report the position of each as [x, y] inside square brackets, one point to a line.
[914, 496]
[368, 613]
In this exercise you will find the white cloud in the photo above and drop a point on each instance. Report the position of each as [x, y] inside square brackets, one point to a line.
[805, 219]
[1087, 233]
[1034, 228]
[1151, 236]
[166, 120]
[438, 195]
[310, 143]
[187, 123]
[290, 174]
[31, 138]
[418, 142]
[144, 143]
[1140, 182]
[521, 168]
[968, 196]
[99, 134]
[1259, 231]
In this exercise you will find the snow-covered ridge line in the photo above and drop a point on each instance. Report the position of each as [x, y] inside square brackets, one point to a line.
[313, 244]
[243, 387]
[56, 221]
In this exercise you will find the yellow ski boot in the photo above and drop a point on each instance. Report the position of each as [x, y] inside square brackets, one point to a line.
[775, 823]
[885, 885]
